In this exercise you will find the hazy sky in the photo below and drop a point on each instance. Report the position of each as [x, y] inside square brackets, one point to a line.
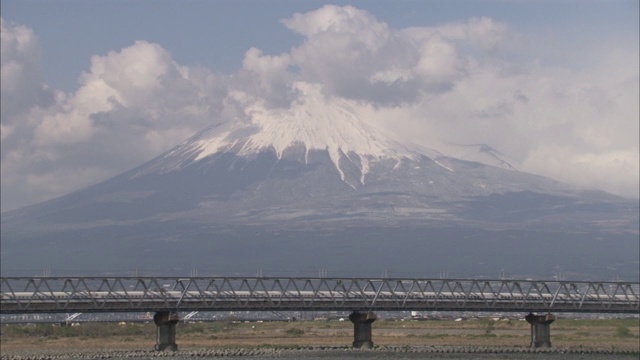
[93, 88]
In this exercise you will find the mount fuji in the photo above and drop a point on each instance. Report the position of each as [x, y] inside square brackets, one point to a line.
[314, 186]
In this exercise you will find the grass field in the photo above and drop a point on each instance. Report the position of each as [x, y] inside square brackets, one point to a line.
[623, 334]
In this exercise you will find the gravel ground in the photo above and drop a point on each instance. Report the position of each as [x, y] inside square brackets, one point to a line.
[382, 352]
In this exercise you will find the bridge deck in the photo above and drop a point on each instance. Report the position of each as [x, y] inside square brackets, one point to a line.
[131, 294]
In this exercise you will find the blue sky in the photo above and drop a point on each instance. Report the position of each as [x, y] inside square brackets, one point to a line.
[216, 34]
[575, 63]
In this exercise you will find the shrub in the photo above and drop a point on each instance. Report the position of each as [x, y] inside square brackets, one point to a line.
[622, 331]
[295, 332]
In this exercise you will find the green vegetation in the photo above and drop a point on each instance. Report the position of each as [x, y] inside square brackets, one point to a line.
[623, 331]
[208, 327]
[489, 326]
[294, 332]
[434, 336]
[485, 335]
[573, 323]
[86, 330]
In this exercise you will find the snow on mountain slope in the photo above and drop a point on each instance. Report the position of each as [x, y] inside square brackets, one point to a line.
[316, 159]
[318, 178]
[481, 153]
[312, 122]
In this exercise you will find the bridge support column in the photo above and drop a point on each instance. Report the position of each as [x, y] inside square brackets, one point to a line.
[540, 329]
[362, 329]
[166, 330]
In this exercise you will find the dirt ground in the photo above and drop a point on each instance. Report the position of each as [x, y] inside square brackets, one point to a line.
[623, 334]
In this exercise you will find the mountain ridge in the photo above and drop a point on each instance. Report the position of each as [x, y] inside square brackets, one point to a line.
[231, 198]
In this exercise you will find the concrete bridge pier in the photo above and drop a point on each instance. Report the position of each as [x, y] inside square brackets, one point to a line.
[362, 329]
[540, 329]
[166, 330]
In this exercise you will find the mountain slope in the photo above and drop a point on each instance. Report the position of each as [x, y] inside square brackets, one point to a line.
[315, 186]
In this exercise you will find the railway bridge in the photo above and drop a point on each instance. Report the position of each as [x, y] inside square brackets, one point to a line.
[362, 297]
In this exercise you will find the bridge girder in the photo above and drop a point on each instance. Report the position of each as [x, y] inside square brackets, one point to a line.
[133, 294]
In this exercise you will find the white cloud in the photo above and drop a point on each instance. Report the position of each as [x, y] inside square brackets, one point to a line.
[480, 32]
[267, 76]
[467, 82]
[572, 125]
[353, 55]
[131, 105]
[439, 62]
[613, 170]
[337, 19]
[21, 85]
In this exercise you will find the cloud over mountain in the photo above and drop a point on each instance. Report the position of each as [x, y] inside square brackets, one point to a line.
[22, 84]
[475, 81]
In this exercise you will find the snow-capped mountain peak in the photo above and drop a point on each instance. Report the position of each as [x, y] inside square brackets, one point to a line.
[313, 121]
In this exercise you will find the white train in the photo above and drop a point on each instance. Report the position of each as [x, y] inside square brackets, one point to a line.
[306, 296]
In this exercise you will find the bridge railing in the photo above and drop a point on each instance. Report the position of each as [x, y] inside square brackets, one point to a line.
[127, 294]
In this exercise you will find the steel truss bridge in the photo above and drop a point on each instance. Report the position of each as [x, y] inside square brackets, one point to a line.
[171, 294]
